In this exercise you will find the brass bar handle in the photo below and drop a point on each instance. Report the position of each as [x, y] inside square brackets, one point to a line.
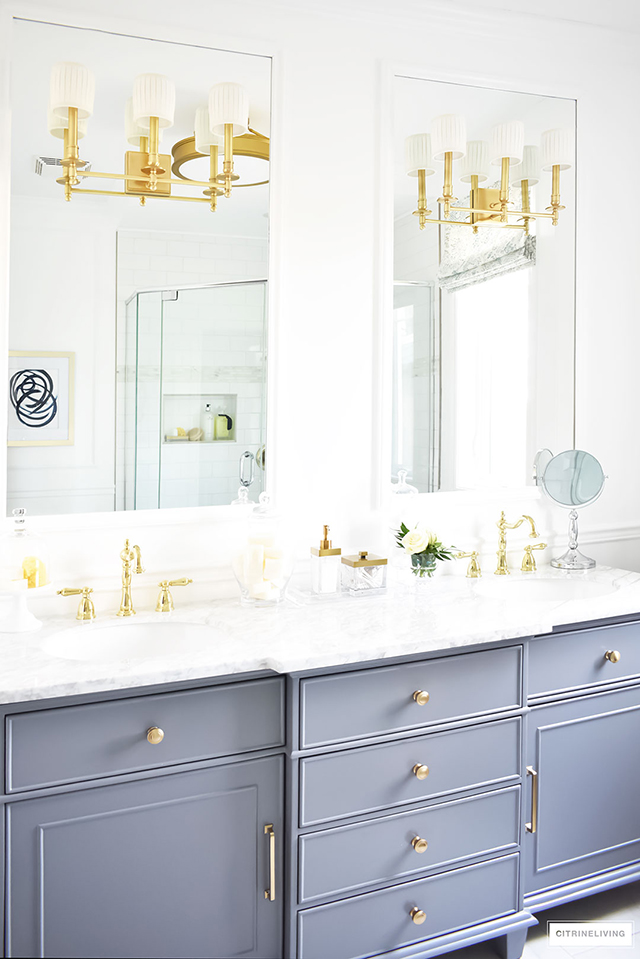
[533, 825]
[270, 893]
[612, 655]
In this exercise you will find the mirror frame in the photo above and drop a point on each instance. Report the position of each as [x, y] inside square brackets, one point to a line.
[187, 35]
[383, 345]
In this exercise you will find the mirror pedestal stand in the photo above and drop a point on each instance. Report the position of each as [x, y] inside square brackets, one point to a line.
[573, 558]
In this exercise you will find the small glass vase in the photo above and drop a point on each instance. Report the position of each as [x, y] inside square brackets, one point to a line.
[423, 567]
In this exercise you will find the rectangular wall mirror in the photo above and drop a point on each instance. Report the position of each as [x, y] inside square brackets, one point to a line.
[138, 318]
[484, 316]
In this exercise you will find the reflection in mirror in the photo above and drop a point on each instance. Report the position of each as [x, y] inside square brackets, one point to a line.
[484, 253]
[572, 479]
[138, 307]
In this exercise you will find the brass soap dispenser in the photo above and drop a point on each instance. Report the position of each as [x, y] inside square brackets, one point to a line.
[325, 566]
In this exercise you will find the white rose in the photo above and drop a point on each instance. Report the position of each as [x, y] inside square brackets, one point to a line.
[428, 534]
[414, 541]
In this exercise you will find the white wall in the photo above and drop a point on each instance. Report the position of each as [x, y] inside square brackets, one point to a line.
[62, 298]
[331, 223]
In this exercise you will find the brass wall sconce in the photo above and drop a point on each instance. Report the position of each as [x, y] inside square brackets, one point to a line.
[220, 126]
[520, 166]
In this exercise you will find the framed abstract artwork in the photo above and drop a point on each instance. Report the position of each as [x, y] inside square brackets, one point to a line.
[41, 391]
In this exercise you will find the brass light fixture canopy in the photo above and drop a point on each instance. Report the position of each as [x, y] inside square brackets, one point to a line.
[251, 144]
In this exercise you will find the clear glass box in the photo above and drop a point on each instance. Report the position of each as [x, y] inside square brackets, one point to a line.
[364, 573]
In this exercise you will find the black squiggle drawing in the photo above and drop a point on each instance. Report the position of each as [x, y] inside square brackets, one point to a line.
[32, 398]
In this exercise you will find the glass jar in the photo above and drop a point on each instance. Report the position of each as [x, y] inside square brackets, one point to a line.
[364, 573]
[264, 563]
[24, 556]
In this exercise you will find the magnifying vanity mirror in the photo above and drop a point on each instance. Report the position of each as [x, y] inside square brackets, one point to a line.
[484, 259]
[572, 479]
[138, 285]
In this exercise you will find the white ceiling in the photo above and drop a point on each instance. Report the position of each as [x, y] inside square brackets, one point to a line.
[622, 15]
[615, 14]
[116, 60]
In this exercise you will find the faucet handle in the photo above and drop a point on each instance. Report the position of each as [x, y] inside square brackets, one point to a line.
[139, 568]
[473, 569]
[86, 609]
[528, 562]
[165, 599]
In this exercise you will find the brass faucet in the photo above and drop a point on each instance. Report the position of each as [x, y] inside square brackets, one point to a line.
[473, 569]
[502, 568]
[165, 599]
[129, 555]
[86, 609]
[528, 562]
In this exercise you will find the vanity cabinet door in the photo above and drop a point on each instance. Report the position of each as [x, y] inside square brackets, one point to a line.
[588, 783]
[174, 866]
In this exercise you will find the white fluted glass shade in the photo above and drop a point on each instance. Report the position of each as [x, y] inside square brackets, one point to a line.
[448, 135]
[529, 169]
[132, 130]
[154, 95]
[57, 125]
[204, 137]
[507, 140]
[417, 154]
[475, 162]
[228, 103]
[71, 85]
[557, 149]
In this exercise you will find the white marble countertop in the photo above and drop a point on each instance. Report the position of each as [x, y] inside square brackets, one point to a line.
[308, 632]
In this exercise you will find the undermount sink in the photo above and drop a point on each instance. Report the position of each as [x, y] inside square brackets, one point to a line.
[529, 588]
[126, 641]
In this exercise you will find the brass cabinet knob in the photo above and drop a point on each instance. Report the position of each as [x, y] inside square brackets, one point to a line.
[418, 915]
[420, 845]
[155, 735]
[420, 771]
[421, 696]
[612, 655]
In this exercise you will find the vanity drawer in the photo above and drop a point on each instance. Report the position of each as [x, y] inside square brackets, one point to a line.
[381, 921]
[74, 743]
[571, 660]
[374, 701]
[339, 861]
[357, 781]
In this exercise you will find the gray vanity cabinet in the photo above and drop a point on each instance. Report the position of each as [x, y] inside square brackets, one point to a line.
[584, 754]
[406, 808]
[175, 865]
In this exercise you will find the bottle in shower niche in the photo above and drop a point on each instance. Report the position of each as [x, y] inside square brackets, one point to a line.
[325, 566]
[222, 425]
[208, 423]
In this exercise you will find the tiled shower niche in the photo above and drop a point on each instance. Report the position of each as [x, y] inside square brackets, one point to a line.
[187, 412]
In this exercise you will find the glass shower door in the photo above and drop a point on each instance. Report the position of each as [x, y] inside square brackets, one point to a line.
[416, 385]
[212, 402]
